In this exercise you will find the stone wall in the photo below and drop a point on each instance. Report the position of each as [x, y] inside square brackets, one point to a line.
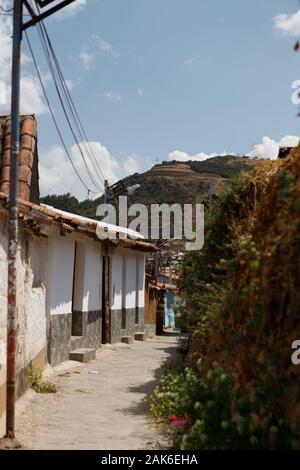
[72, 331]
[59, 344]
[131, 326]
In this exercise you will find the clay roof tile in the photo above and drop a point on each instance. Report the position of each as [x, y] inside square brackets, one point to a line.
[28, 156]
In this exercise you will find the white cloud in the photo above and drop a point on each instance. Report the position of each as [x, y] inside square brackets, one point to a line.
[112, 95]
[185, 157]
[95, 47]
[54, 166]
[140, 92]
[268, 148]
[31, 96]
[104, 47]
[31, 93]
[70, 84]
[288, 24]
[104, 158]
[70, 10]
[86, 59]
[289, 141]
[189, 61]
[131, 165]
[75, 7]
[5, 49]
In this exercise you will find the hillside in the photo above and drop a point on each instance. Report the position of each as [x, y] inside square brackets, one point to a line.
[168, 182]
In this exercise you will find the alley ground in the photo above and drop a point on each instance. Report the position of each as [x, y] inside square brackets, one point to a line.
[99, 405]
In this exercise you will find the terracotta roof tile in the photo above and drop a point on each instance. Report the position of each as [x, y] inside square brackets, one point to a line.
[70, 222]
[28, 156]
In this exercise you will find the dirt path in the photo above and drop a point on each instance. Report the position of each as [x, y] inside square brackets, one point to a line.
[103, 410]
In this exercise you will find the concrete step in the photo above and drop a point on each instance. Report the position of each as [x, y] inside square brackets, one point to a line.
[139, 336]
[76, 342]
[127, 339]
[82, 355]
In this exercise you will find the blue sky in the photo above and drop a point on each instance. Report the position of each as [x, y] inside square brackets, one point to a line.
[154, 79]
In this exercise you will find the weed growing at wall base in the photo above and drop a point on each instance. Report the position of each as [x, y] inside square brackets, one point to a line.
[36, 382]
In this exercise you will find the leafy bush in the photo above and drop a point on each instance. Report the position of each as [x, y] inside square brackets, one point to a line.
[205, 273]
[208, 411]
[241, 301]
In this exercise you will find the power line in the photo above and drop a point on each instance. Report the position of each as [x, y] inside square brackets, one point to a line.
[54, 78]
[6, 10]
[53, 117]
[72, 105]
[60, 83]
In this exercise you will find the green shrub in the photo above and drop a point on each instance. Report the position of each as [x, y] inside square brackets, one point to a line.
[217, 415]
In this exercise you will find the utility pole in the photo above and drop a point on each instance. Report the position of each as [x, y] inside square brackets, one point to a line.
[13, 222]
[12, 301]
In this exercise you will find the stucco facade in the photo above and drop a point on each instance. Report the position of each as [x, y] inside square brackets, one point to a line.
[79, 283]
[31, 310]
[127, 293]
[60, 287]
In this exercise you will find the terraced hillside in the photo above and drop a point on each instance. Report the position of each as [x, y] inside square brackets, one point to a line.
[169, 182]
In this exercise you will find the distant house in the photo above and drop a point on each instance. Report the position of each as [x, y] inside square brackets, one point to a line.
[75, 290]
[154, 307]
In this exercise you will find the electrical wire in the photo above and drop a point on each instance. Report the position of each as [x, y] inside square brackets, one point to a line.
[53, 117]
[68, 119]
[6, 10]
[73, 108]
[65, 96]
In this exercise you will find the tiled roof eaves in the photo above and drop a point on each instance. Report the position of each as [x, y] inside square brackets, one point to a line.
[47, 216]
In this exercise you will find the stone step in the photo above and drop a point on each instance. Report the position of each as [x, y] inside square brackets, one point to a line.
[127, 339]
[76, 342]
[82, 355]
[140, 336]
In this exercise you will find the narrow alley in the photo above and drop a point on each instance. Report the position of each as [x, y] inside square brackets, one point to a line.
[100, 405]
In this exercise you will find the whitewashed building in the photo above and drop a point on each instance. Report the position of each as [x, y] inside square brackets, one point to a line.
[75, 290]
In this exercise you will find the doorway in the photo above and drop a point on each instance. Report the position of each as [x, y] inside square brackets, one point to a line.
[76, 327]
[105, 299]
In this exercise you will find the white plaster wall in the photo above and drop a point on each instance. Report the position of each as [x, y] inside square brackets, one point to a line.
[92, 277]
[141, 279]
[116, 279]
[35, 333]
[127, 292]
[60, 274]
[130, 279]
[31, 297]
[88, 277]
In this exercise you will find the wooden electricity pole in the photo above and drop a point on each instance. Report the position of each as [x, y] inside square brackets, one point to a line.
[13, 235]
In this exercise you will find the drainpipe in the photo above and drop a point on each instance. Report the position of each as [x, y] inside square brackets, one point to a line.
[13, 223]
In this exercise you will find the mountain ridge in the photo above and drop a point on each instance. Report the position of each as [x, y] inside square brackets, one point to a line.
[168, 182]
